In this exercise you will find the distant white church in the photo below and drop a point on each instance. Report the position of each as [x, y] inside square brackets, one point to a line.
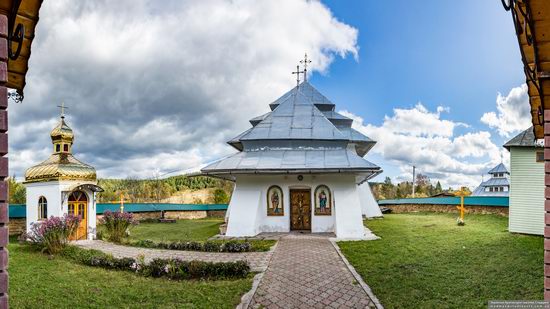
[300, 167]
[497, 185]
[62, 185]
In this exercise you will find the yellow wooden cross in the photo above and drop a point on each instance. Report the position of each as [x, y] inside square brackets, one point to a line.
[121, 202]
[462, 193]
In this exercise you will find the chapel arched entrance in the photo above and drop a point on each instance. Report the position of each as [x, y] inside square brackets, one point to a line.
[78, 206]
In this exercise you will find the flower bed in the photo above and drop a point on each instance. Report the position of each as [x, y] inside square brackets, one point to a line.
[170, 268]
[207, 246]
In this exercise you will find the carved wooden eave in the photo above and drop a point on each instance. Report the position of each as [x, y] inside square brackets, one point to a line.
[25, 13]
[532, 23]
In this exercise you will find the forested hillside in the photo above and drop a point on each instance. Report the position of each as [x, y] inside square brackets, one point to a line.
[423, 188]
[155, 190]
[147, 190]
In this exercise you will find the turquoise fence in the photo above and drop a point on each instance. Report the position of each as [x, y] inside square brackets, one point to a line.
[497, 201]
[18, 210]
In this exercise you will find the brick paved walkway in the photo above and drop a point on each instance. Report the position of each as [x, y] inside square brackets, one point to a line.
[258, 260]
[307, 272]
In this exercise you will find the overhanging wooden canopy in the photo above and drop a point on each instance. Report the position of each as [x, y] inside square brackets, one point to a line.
[532, 23]
[22, 20]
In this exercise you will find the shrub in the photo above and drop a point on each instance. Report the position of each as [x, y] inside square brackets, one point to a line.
[211, 246]
[235, 246]
[220, 196]
[178, 269]
[170, 268]
[117, 225]
[207, 246]
[52, 235]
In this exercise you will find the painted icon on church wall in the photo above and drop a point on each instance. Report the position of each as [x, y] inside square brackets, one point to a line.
[275, 201]
[323, 201]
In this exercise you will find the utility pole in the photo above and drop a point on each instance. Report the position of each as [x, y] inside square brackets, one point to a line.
[414, 177]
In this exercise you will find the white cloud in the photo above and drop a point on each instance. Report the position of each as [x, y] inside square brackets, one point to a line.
[159, 85]
[513, 112]
[419, 137]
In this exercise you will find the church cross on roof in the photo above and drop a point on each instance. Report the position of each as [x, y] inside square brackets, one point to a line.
[62, 107]
[305, 62]
[298, 72]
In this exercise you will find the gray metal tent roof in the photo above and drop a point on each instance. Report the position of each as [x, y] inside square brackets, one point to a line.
[295, 118]
[524, 139]
[302, 133]
[312, 160]
[311, 93]
[500, 168]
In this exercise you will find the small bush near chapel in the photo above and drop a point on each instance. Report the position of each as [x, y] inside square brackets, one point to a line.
[52, 235]
[117, 225]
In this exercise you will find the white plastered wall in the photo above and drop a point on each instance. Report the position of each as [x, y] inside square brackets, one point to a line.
[248, 205]
[52, 191]
[369, 206]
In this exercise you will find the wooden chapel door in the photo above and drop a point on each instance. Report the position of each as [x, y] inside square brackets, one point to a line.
[78, 206]
[300, 209]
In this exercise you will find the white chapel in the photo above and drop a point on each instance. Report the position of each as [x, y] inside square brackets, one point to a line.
[62, 185]
[299, 167]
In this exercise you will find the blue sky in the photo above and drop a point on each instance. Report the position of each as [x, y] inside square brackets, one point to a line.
[436, 52]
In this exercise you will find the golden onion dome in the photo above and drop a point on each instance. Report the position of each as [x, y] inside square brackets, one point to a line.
[62, 132]
[61, 165]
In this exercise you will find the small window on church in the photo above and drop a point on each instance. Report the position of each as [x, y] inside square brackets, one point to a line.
[66, 148]
[540, 156]
[57, 148]
[42, 208]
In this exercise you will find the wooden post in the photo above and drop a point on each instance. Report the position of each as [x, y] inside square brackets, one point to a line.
[547, 204]
[4, 216]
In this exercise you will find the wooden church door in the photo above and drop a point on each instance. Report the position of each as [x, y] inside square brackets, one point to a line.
[78, 206]
[300, 209]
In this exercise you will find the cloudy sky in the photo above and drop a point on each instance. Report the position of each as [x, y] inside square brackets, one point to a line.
[159, 86]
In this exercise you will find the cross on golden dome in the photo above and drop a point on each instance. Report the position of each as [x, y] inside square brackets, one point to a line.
[63, 107]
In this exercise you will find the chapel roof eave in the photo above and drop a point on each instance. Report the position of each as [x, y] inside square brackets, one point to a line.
[290, 161]
[27, 15]
[364, 171]
[531, 19]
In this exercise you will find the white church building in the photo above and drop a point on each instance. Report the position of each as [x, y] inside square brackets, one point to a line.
[62, 185]
[300, 167]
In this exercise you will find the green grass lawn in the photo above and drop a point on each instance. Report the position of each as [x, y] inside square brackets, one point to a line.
[188, 230]
[427, 261]
[37, 282]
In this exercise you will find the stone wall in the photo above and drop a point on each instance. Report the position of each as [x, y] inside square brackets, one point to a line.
[216, 213]
[404, 208]
[17, 226]
[190, 214]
